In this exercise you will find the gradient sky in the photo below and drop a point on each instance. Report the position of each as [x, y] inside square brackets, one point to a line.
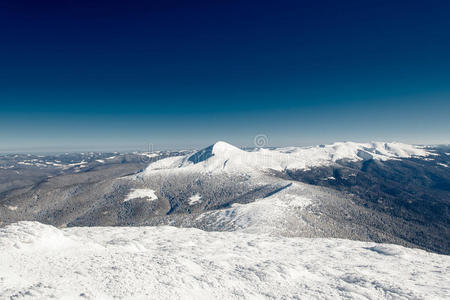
[122, 74]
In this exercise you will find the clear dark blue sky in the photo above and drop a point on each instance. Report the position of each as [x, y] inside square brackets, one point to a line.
[114, 74]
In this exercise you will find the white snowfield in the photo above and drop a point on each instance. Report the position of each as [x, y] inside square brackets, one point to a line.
[194, 199]
[225, 157]
[43, 262]
[147, 194]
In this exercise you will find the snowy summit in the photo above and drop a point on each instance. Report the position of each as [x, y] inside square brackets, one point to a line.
[222, 156]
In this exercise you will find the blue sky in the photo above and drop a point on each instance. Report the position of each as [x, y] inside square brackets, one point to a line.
[117, 75]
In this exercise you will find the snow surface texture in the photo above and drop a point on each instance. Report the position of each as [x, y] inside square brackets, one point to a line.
[225, 157]
[40, 261]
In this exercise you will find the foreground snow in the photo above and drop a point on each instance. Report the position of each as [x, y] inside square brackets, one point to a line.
[41, 261]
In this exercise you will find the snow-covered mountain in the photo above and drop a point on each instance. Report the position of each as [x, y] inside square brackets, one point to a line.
[264, 223]
[383, 192]
[223, 157]
[42, 262]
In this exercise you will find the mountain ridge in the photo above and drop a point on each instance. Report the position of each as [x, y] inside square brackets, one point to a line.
[222, 156]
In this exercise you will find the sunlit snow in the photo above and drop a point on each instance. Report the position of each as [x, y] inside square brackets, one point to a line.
[41, 262]
[141, 193]
[222, 157]
[194, 199]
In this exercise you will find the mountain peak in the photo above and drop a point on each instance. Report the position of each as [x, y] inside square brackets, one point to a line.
[220, 148]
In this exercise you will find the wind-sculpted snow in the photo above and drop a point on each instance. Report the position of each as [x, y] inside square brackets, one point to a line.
[223, 157]
[42, 262]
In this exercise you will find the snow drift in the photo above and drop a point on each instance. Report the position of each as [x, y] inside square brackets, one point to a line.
[172, 263]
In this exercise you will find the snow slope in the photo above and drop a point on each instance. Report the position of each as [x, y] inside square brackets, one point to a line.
[269, 215]
[225, 157]
[42, 262]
